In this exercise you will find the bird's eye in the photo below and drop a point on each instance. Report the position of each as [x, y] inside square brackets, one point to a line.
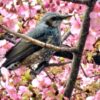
[53, 18]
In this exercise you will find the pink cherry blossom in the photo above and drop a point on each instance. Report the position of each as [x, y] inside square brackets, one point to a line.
[97, 96]
[90, 41]
[2, 52]
[90, 98]
[5, 73]
[75, 25]
[5, 2]
[95, 21]
[12, 92]
[23, 11]
[24, 89]
[35, 83]
[2, 42]
[97, 7]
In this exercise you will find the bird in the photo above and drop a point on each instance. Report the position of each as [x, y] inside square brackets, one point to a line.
[28, 54]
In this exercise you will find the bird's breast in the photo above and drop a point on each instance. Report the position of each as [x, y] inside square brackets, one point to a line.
[52, 36]
[38, 57]
[55, 35]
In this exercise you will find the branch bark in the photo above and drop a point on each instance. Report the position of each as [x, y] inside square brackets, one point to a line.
[86, 2]
[80, 46]
[39, 43]
[12, 38]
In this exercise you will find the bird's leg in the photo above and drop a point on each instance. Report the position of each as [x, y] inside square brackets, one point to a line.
[41, 66]
[32, 72]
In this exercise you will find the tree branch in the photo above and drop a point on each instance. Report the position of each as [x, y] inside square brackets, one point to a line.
[58, 64]
[80, 46]
[86, 2]
[66, 54]
[39, 43]
[65, 36]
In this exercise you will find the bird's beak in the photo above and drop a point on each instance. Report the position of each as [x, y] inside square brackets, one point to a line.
[66, 16]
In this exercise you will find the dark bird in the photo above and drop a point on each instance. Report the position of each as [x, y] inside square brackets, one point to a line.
[25, 53]
[96, 57]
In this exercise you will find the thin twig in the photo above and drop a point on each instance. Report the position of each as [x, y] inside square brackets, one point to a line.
[83, 71]
[94, 76]
[85, 2]
[87, 75]
[66, 35]
[51, 78]
[58, 64]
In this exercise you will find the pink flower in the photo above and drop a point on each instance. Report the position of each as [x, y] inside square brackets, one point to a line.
[20, 71]
[12, 24]
[23, 90]
[35, 83]
[95, 21]
[3, 12]
[5, 2]
[12, 92]
[75, 25]
[8, 45]
[33, 11]
[86, 81]
[5, 73]
[23, 11]
[2, 52]
[47, 81]
[90, 98]
[61, 89]
[2, 42]
[97, 96]
[97, 7]
[89, 42]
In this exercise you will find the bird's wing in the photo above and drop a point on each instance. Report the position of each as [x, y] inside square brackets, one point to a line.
[24, 48]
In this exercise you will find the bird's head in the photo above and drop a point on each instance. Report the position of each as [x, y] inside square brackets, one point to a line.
[53, 19]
